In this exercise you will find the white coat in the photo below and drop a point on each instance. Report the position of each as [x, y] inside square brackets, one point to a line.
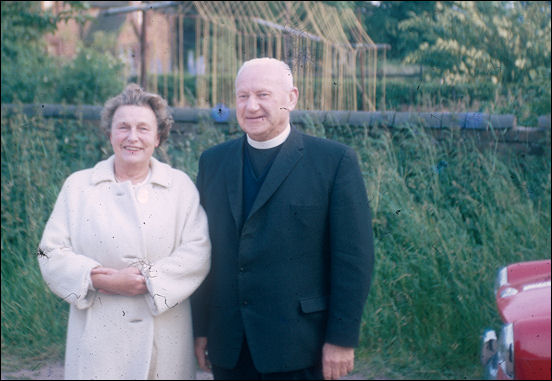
[161, 229]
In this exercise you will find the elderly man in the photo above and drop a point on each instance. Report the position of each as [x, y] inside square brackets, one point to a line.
[292, 243]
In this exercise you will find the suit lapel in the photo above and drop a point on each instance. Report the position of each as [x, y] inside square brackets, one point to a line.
[234, 179]
[290, 153]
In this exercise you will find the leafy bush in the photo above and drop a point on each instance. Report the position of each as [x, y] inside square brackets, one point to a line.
[400, 93]
[525, 101]
[94, 76]
[27, 73]
[30, 75]
[499, 41]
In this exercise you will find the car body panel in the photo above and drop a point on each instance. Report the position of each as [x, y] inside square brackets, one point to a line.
[534, 303]
[523, 299]
[532, 348]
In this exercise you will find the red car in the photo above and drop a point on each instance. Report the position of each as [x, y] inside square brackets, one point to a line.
[522, 349]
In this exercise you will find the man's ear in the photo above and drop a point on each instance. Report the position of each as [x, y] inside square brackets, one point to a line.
[293, 97]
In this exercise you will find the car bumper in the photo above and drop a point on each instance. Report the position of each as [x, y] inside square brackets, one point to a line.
[489, 356]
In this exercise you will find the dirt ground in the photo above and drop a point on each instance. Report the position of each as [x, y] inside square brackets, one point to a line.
[54, 371]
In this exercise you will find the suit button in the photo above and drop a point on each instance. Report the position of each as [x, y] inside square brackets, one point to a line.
[244, 302]
[242, 269]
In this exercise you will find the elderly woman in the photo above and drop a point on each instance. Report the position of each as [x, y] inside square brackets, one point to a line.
[126, 245]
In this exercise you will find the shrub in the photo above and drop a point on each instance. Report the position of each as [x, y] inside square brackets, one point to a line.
[94, 76]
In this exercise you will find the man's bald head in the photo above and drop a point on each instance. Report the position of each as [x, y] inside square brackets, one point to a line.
[272, 64]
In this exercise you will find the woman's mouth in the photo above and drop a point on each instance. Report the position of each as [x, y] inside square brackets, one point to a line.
[132, 149]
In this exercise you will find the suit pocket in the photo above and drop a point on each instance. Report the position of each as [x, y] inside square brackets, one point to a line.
[317, 304]
[308, 215]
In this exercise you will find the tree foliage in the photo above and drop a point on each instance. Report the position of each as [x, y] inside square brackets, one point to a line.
[382, 19]
[508, 42]
[24, 63]
[30, 75]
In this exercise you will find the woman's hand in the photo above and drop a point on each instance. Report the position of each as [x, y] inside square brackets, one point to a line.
[128, 281]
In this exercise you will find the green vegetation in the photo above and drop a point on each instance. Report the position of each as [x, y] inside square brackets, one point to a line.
[30, 75]
[505, 42]
[500, 47]
[446, 217]
[476, 56]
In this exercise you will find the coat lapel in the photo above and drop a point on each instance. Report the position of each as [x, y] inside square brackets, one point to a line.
[290, 153]
[234, 179]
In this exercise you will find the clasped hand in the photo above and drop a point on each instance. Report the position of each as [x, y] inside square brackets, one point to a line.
[128, 281]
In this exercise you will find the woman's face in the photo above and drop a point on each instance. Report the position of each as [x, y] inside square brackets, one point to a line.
[134, 134]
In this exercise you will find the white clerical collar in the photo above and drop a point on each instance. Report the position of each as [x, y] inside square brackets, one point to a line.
[274, 142]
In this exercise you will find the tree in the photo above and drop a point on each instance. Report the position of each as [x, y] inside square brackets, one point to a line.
[30, 75]
[381, 20]
[508, 42]
[24, 63]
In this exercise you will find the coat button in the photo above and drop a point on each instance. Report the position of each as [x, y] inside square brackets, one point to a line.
[242, 269]
[244, 302]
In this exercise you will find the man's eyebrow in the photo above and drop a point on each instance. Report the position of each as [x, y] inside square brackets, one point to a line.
[254, 90]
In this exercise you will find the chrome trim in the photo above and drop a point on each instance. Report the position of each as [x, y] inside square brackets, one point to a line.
[508, 291]
[488, 346]
[501, 278]
[533, 286]
[506, 355]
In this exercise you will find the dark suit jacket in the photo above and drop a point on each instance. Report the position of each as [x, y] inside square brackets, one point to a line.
[298, 273]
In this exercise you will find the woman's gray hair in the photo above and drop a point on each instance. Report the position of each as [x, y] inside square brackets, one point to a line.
[134, 95]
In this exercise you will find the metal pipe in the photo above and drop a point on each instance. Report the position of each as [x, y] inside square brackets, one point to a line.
[462, 120]
[144, 7]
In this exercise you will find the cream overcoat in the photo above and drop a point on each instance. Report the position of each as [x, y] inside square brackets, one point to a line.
[161, 229]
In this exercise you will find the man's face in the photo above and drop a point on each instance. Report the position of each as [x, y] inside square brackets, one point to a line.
[264, 100]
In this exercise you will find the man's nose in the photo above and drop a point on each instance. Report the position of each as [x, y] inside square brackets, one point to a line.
[252, 103]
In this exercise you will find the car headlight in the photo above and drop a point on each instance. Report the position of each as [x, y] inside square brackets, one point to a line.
[506, 350]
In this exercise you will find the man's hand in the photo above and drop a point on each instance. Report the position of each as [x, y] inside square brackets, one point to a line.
[200, 348]
[337, 361]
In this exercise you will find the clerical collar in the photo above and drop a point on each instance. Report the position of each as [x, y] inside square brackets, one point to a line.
[274, 142]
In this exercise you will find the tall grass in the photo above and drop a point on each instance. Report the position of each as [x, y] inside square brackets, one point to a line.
[446, 216]
[37, 155]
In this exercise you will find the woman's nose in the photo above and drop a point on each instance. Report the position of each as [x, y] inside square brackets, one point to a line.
[132, 134]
